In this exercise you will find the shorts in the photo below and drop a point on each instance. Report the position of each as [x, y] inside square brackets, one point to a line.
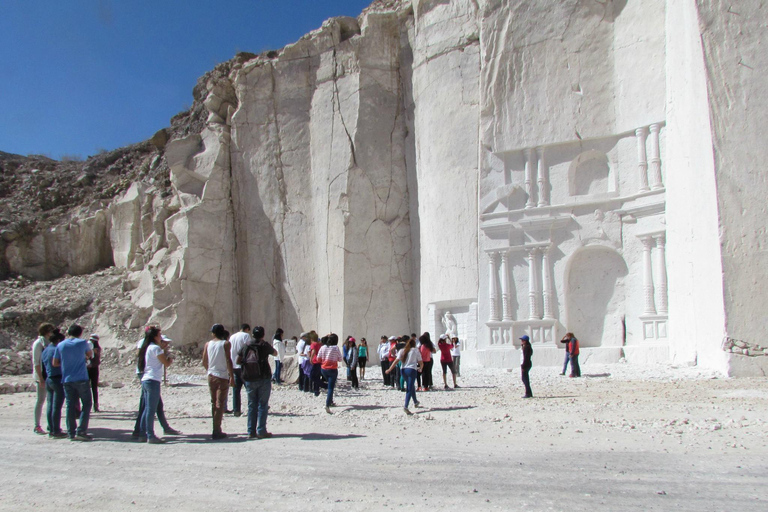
[361, 361]
[447, 365]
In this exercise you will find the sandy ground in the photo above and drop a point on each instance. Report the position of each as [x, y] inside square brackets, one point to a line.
[621, 438]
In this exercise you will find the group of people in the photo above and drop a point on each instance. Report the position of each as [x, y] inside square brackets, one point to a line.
[65, 368]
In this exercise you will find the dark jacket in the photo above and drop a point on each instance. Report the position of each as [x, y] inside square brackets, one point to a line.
[527, 353]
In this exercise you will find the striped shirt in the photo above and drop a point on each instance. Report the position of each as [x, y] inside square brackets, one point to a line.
[329, 357]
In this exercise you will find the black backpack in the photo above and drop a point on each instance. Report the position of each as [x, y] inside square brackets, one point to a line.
[250, 363]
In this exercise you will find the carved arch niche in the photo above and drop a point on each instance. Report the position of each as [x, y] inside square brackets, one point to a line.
[590, 175]
[595, 297]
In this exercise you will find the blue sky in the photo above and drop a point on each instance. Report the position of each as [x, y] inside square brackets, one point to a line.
[78, 76]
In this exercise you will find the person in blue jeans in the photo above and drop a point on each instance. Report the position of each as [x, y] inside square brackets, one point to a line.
[153, 358]
[329, 357]
[258, 385]
[53, 387]
[279, 345]
[411, 364]
[70, 356]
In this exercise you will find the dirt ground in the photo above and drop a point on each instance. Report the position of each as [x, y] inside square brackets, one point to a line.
[620, 438]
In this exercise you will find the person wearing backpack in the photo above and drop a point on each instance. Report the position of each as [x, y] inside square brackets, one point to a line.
[256, 373]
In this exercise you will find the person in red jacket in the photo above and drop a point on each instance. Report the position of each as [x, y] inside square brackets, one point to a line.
[573, 351]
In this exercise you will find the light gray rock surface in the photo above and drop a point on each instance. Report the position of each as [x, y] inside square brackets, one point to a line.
[532, 167]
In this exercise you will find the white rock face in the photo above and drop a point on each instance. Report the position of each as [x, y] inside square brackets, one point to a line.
[530, 167]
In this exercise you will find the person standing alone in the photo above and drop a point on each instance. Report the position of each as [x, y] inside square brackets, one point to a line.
[573, 351]
[217, 360]
[526, 365]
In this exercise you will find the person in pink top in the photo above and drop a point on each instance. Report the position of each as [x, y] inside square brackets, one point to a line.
[446, 360]
[329, 357]
[427, 348]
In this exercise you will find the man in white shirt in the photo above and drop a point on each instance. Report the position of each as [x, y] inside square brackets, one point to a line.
[383, 353]
[238, 341]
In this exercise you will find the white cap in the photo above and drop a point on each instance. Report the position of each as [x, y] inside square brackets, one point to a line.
[165, 338]
[392, 338]
[443, 337]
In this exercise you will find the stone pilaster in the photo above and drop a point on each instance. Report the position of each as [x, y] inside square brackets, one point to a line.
[642, 163]
[655, 159]
[506, 303]
[650, 307]
[543, 174]
[661, 275]
[546, 278]
[529, 178]
[493, 291]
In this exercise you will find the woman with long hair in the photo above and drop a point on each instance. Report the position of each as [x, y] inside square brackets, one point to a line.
[329, 357]
[152, 360]
[410, 364]
[427, 348]
[362, 357]
[93, 369]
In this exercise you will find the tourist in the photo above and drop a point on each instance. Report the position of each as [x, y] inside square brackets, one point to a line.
[446, 360]
[383, 353]
[70, 356]
[238, 341]
[456, 356]
[329, 357]
[302, 353]
[427, 348]
[573, 349]
[352, 361]
[391, 356]
[93, 369]
[566, 341]
[217, 360]
[525, 367]
[411, 363]
[254, 361]
[400, 345]
[44, 332]
[138, 433]
[362, 356]
[53, 386]
[153, 359]
[316, 373]
[345, 350]
[279, 345]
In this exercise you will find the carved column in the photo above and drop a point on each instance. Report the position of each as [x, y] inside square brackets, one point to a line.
[546, 281]
[661, 274]
[529, 178]
[655, 160]
[543, 173]
[506, 304]
[533, 292]
[493, 294]
[650, 308]
[642, 164]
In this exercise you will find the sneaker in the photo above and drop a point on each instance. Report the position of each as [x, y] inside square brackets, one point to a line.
[456, 386]
[265, 435]
[142, 439]
[328, 409]
[406, 411]
[253, 436]
[135, 435]
[57, 435]
[416, 404]
[238, 414]
[562, 373]
[39, 431]
[171, 432]
[156, 440]
[446, 387]
[218, 435]
[227, 411]
[82, 437]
